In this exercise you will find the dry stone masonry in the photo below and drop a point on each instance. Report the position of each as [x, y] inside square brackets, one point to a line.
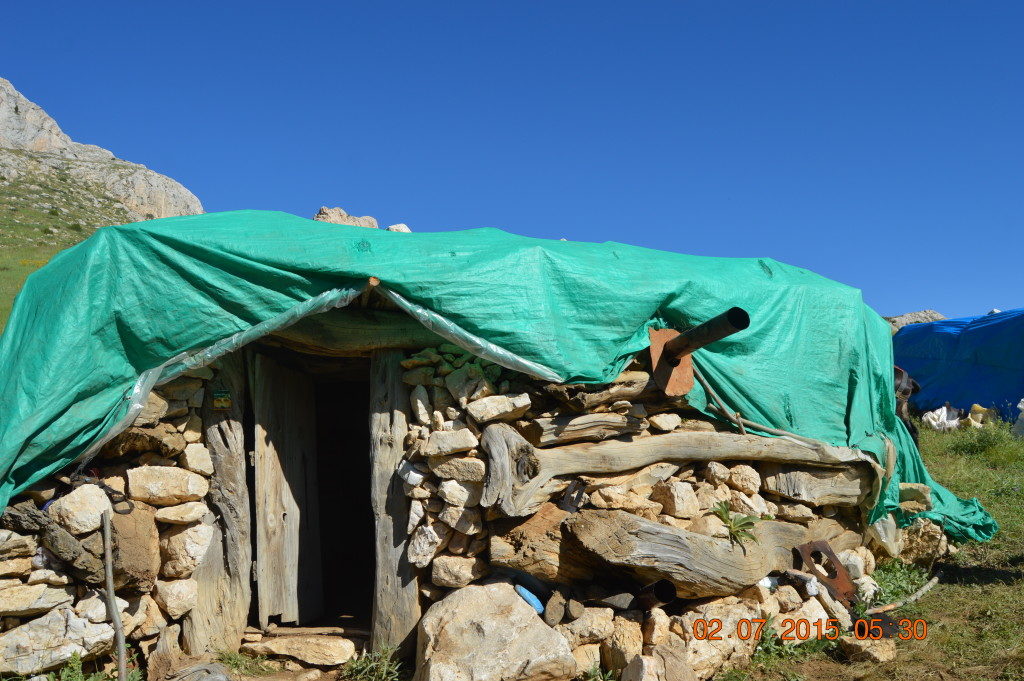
[536, 513]
[51, 547]
[482, 516]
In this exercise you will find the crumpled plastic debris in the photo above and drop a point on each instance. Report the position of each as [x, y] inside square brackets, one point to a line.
[1018, 427]
[942, 419]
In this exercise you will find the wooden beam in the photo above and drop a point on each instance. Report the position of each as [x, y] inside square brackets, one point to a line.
[618, 456]
[547, 432]
[698, 565]
[396, 605]
[217, 621]
[317, 631]
[818, 486]
[536, 545]
[355, 332]
[510, 464]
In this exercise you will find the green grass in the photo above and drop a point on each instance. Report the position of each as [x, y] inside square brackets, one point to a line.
[43, 211]
[975, 613]
[379, 665]
[16, 263]
[246, 665]
[73, 670]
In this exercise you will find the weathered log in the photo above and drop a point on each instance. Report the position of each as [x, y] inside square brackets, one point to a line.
[163, 654]
[548, 432]
[510, 463]
[616, 456]
[317, 631]
[629, 385]
[25, 517]
[224, 576]
[537, 547]
[816, 486]
[353, 332]
[778, 539]
[835, 533]
[698, 565]
[396, 607]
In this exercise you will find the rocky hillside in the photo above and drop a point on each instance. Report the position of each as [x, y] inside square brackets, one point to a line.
[54, 192]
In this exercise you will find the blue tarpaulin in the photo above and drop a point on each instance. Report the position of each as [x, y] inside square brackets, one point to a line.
[966, 361]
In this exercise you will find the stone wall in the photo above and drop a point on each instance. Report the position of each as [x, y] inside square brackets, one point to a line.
[467, 551]
[51, 547]
[541, 587]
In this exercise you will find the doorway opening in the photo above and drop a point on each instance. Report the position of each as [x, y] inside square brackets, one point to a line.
[313, 534]
[346, 517]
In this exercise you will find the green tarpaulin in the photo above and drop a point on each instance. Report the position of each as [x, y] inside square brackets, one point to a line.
[104, 321]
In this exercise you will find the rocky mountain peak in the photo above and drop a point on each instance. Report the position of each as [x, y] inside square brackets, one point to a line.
[41, 166]
[24, 125]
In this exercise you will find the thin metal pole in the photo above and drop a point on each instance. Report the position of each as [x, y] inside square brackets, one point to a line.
[113, 614]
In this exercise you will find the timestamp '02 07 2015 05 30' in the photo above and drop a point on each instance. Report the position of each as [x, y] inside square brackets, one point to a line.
[802, 629]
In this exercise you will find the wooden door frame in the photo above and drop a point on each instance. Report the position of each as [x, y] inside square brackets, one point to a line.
[396, 604]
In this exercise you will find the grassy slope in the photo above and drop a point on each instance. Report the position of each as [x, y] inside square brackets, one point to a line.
[40, 214]
[976, 612]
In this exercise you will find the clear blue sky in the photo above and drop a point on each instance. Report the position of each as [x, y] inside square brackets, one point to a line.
[877, 143]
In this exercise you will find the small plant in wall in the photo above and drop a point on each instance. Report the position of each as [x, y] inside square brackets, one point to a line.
[595, 673]
[738, 526]
[379, 665]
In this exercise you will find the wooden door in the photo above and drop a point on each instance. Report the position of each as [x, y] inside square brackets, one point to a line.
[288, 570]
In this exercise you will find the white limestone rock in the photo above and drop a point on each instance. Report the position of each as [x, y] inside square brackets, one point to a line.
[182, 548]
[326, 651]
[49, 641]
[150, 619]
[745, 479]
[665, 422]
[868, 650]
[677, 498]
[459, 493]
[155, 408]
[182, 514]
[489, 633]
[716, 473]
[593, 626]
[176, 598]
[794, 512]
[14, 545]
[80, 511]
[461, 468]
[163, 486]
[464, 520]
[419, 400]
[499, 407]
[338, 216]
[707, 657]
[93, 606]
[31, 599]
[427, 541]
[444, 442]
[197, 459]
[457, 571]
[45, 576]
[625, 643]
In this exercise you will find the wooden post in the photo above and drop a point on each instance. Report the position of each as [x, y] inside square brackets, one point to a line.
[219, 618]
[108, 587]
[396, 607]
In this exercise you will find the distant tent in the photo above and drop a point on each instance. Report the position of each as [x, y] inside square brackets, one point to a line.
[971, 360]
